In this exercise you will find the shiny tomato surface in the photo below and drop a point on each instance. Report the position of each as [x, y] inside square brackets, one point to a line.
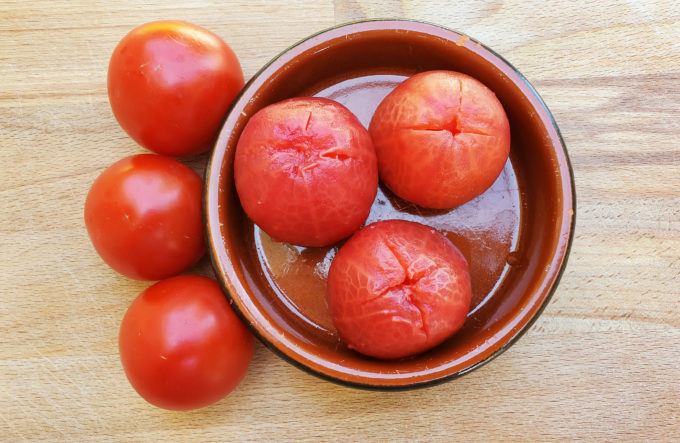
[170, 84]
[306, 171]
[441, 137]
[143, 215]
[182, 346]
[398, 288]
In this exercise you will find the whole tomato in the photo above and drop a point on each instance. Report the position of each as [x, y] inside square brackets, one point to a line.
[305, 171]
[182, 346]
[143, 215]
[398, 288]
[170, 84]
[442, 138]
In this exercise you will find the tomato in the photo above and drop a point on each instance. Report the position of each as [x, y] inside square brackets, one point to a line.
[306, 171]
[442, 138]
[397, 288]
[143, 215]
[170, 84]
[182, 346]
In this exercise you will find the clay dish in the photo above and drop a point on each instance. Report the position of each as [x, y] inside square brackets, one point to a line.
[516, 236]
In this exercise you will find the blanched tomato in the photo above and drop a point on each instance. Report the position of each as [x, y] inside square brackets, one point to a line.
[442, 138]
[305, 171]
[181, 344]
[398, 288]
[143, 215]
[170, 84]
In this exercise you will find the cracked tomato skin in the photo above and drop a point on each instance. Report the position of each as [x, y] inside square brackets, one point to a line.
[306, 171]
[398, 288]
[170, 84]
[441, 137]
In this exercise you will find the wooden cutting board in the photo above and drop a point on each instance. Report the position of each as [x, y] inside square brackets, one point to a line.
[602, 362]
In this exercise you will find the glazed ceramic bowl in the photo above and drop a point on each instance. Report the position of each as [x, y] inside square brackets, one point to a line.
[516, 236]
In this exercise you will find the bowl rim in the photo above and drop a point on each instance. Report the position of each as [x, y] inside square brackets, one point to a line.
[211, 242]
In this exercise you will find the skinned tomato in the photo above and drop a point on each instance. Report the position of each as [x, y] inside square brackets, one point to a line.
[143, 215]
[305, 171]
[441, 137]
[170, 84]
[398, 288]
[182, 346]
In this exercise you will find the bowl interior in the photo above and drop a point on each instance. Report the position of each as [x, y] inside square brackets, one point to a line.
[515, 236]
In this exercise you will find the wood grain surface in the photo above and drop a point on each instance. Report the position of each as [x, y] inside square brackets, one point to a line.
[602, 362]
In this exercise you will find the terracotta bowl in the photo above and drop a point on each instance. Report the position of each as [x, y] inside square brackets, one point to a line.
[516, 236]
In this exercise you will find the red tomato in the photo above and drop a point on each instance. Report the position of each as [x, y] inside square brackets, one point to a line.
[442, 138]
[306, 171]
[182, 346]
[170, 84]
[143, 214]
[398, 288]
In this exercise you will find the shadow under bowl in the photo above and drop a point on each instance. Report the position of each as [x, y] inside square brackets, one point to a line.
[516, 236]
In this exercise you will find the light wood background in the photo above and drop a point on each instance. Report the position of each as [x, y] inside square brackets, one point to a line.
[603, 361]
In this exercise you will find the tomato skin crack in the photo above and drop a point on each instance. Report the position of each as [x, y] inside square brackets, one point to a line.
[336, 153]
[309, 120]
[413, 274]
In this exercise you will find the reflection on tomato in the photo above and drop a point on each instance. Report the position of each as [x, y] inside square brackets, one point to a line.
[181, 344]
[143, 215]
[170, 84]
[442, 138]
[397, 288]
[305, 171]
